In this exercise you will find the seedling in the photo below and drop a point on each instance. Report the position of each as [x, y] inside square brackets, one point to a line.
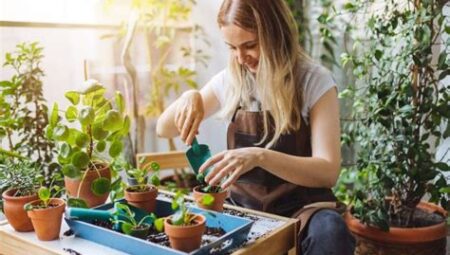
[44, 195]
[130, 226]
[140, 175]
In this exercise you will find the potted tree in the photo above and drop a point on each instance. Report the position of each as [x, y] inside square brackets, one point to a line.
[142, 195]
[19, 179]
[207, 196]
[24, 110]
[46, 213]
[401, 112]
[95, 127]
[184, 228]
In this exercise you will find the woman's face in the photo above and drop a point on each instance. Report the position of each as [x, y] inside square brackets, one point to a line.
[243, 45]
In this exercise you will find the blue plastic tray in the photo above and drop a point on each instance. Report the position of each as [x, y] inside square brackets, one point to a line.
[236, 229]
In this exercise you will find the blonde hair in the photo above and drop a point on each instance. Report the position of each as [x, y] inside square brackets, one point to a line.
[277, 74]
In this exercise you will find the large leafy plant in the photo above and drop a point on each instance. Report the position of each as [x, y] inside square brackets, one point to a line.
[23, 108]
[93, 130]
[22, 175]
[401, 109]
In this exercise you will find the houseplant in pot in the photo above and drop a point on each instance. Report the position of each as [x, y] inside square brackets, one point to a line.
[20, 180]
[131, 226]
[142, 195]
[184, 228]
[92, 128]
[207, 196]
[401, 113]
[46, 213]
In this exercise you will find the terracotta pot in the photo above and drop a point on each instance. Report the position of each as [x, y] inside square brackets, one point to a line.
[420, 240]
[219, 199]
[14, 212]
[86, 194]
[145, 200]
[47, 222]
[185, 238]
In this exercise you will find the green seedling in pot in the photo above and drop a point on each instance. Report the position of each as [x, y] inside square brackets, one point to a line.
[141, 177]
[45, 196]
[131, 226]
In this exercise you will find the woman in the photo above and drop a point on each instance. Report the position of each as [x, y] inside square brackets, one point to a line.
[283, 137]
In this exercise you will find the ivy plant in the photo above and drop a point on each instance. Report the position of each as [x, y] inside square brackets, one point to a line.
[401, 109]
[92, 131]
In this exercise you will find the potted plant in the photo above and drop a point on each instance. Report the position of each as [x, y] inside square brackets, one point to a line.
[130, 226]
[184, 228]
[207, 196]
[19, 179]
[401, 111]
[92, 127]
[24, 111]
[46, 214]
[142, 195]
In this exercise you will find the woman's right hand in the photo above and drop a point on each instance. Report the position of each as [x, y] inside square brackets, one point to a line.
[188, 115]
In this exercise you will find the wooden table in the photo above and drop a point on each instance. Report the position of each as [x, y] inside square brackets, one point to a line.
[281, 240]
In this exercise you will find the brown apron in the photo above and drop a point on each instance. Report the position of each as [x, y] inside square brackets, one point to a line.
[259, 189]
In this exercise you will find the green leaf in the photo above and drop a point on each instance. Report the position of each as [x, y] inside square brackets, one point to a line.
[82, 140]
[73, 97]
[127, 228]
[92, 86]
[120, 102]
[155, 166]
[101, 186]
[61, 133]
[99, 133]
[445, 190]
[100, 147]
[443, 166]
[115, 149]
[126, 126]
[207, 200]
[80, 160]
[54, 115]
[159, 224]
[155, 180]
[44, 193]
[65, 150]
[178, 218]
[77, 203]
[71, 113]
[71, 171]
[86, 116]
[113, 121]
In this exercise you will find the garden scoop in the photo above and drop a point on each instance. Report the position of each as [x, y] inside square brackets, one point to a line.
[114, 215]
[198, 154]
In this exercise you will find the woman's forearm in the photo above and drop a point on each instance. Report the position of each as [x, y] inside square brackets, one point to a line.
[304, 171]
[165, 126]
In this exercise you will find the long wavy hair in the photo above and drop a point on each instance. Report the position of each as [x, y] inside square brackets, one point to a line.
[277, 74]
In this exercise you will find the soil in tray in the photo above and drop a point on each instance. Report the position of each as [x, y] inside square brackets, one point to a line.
[211, 234]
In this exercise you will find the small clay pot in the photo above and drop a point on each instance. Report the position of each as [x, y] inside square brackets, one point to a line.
[86, 193]
[144, 200]
[185, 238]
[14, 212]
[47, 221]
[219, 199]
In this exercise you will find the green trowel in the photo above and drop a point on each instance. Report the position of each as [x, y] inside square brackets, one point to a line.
[197, 155]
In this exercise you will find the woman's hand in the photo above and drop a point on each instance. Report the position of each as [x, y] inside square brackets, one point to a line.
[231, 164]
[188, 115]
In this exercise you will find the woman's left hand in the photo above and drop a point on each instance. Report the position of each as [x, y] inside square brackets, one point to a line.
[231, 164]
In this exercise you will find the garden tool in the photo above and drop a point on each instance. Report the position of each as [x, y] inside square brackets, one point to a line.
[198, 154]
[85, 214]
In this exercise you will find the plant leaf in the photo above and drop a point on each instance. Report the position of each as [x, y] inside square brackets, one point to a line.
[71, 171]
[80, 160]
[101, 186]
[73, 97]
[77, 202]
